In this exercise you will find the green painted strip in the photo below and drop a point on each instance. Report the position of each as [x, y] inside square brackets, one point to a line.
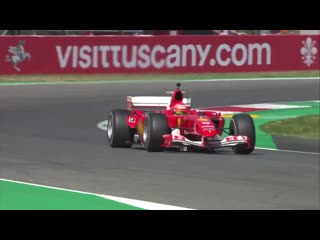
[17, 196]
[161, 80]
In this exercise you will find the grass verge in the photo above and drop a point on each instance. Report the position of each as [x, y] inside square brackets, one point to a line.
[305, 127]
[147, 76]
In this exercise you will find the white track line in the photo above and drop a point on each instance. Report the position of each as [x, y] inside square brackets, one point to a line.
[291, 151]
[144, 204]
[137, 203]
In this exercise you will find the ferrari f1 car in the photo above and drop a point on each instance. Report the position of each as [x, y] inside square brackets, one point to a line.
[168, 122]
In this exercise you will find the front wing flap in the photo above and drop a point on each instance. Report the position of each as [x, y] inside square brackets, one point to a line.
[172, 140]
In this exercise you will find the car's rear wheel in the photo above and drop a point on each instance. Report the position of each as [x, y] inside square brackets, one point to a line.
[155, 125]
[242, 124]
[118, 132]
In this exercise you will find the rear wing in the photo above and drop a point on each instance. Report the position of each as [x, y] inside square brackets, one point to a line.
[134, 102]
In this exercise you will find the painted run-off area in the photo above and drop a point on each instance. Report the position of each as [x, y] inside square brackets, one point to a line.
[147, 76]
[17, 196]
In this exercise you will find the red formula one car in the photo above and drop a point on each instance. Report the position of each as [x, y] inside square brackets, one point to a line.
[176, 125]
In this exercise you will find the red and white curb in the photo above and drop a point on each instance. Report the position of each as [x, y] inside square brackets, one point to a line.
[232, 109]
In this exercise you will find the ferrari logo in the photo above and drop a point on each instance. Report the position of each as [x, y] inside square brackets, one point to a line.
[179, 122]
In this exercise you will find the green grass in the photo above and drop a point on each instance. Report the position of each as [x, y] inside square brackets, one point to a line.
[305, 127]
[154, 76]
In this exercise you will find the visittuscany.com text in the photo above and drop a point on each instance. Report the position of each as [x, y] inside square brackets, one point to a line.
[158, 56]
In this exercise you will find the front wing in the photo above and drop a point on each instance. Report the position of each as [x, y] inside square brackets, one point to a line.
[171, 140]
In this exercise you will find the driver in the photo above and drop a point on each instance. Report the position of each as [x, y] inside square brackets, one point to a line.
[180, 109]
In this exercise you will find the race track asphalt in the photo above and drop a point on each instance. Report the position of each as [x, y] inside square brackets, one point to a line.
[49, 136]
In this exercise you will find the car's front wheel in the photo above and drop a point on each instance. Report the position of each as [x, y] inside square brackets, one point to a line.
[242, 124]
[155, 126]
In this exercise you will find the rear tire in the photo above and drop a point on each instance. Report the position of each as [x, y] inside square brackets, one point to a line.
[242, 124]
[155, 126]
[118, 132]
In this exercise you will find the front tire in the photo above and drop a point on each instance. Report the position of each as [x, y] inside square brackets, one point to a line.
[118, 132]
[156, 125]
[242, 124]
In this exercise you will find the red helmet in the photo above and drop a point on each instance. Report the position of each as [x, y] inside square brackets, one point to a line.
[180, 109]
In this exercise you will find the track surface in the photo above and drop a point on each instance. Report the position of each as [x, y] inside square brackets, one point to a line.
[48, 135]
